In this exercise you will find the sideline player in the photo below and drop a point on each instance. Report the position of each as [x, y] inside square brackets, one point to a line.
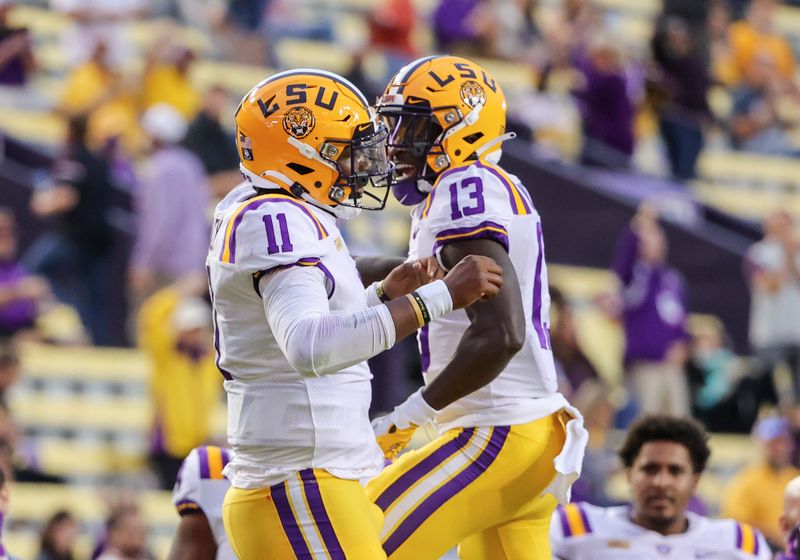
[489, 371]
[664, 457]
[198, 494]
[294, 323]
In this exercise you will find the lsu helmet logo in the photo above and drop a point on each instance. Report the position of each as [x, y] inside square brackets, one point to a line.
[472, 93]
[299, 122]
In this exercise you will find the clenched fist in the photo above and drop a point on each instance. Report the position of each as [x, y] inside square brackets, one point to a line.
[473, 278]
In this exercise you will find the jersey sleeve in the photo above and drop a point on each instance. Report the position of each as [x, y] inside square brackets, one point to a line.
[186, 493]
[749, 541]
[474, 202]
[271, 232]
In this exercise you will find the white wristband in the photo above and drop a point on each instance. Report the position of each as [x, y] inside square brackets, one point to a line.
[372, 295]
[437, 298]
[414, 410]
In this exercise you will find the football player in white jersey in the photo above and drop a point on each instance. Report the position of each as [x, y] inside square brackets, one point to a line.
[510, 444]
[294, 324]
[198, 494]
[664, 457]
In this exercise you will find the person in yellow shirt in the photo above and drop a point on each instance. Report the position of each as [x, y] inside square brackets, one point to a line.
[168, 82]
[755, 494]
[175, 332]
[754, 36]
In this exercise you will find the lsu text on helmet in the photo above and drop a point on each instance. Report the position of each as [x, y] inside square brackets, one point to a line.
[312, 133]
[441, 112]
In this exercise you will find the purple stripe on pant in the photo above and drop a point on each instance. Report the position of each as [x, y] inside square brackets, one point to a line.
[448, 490]
[288, 521]
[320, 515]
[414, 474]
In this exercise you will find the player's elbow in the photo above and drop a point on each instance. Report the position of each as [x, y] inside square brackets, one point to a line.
[301, 359]
[509, 339]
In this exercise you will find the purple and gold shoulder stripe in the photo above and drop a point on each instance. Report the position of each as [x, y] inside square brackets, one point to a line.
[228, 253]
[574, 521]
[747, 539]
[212, 460]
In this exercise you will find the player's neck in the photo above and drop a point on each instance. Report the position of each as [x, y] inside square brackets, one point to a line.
[674, 527]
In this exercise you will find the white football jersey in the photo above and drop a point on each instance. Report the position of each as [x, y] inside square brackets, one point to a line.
[280, 422]
[586, 532]
[201, 487]
[483, 201]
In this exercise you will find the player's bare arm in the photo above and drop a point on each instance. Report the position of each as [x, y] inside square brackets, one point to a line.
[495, 334]
[193, 539]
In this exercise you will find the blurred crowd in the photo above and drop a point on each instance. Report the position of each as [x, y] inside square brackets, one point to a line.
[122, 207]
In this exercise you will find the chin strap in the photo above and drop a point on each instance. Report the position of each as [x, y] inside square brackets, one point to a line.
[492, 143]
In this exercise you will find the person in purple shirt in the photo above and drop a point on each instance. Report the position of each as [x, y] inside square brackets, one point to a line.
[172, 201]
[454, 24]
[605, 105]
[654, 314]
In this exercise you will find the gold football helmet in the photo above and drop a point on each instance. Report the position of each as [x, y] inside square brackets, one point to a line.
[312, 133]
[441, 112]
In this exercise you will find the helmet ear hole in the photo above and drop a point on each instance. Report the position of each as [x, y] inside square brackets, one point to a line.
[299, 169]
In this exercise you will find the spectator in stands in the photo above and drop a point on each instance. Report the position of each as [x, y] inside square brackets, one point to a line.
[789, 520]
[16, 51]
[723, 67]
[58, 537]
[518, 36]
[126, 536]
[606, 106]
[464, 27]
[97, 91]
[212, 144]
[654, 313]
[391, 29]
[20, 292]
[773, 265]
[664, 458]
[75, 255]
[714, 371]
[756, 36]
[99, 20]
[175, 332]
[570, 358]
[600, 462]
[755, 122]
[172, 199]
[755, 494]
[166, 80]
[682, 80]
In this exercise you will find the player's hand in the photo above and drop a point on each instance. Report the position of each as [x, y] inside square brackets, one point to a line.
[473, 278]
[410, 275]
[395, 430]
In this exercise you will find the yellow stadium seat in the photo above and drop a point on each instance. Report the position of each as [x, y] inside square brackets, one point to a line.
[88, 364]
[100, 412]
[79, 459]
